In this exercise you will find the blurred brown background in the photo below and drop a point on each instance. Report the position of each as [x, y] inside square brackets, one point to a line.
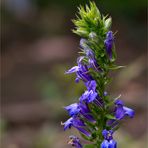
[37, 46]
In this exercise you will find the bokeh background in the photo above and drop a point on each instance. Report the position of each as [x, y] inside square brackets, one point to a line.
[37, 46]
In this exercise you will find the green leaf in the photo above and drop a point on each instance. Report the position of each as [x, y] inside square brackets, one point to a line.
[109, 116]
[115, 67]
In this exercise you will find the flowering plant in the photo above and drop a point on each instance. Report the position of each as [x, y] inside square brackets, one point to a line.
[95, 115]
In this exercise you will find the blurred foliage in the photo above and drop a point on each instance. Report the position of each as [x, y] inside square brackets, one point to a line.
[125, 8]
[32, 19]
[3, 126]
[59, 85]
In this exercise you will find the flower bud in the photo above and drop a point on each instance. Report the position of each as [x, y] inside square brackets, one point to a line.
[108, 23]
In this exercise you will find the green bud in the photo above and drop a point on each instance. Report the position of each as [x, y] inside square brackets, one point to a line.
[108, 23]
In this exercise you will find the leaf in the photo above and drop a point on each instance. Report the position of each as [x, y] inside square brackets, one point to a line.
[115, 67]
[109, 116]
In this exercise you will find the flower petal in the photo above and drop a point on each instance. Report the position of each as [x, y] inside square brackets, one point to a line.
[128, 111]
[73, 109]
[72, 70]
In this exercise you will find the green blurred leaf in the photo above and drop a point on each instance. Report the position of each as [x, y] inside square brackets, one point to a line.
[109, 116]
[89, 146]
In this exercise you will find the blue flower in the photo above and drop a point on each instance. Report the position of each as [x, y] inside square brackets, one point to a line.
[92, 60]
[121, 111]
[81, 71]
[75, 141]
[72, 70]
[109, 43]
[107, 134]
[90, 94]
[91, 85]
[73, 109]
[77, 123]
[90, 55]
[85, 111]
[83, 74]
[109, 144]
[83, 43]
[108, 141]
[80, 108]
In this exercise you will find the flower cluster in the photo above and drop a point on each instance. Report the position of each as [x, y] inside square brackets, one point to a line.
[95, 115]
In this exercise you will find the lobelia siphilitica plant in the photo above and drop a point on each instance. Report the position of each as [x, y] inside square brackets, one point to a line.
[96, 116]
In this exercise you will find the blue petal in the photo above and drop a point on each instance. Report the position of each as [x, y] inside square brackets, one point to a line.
[120, 113]
[79, 60]
[85, 132]
[92, 96]
[72, 70]
[74, 141]
[90, 54]
[73, 109]
[119, 102]
[109, 144]
[89, 117]
[112, 144]
[83, 43]
[84, 107]
[77, 79]
[91, 85]
[84, 76]
[104, 133]
[105, 144]
[85, 111]
[93, 64]
[84, 96]
[68, 123]
[77, 122]
[128, 111]
[107, 134]
[109, 43]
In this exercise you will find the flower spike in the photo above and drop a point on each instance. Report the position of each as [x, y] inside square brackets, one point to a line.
[95, 115]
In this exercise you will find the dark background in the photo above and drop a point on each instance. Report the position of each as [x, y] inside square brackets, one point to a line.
[37, 46]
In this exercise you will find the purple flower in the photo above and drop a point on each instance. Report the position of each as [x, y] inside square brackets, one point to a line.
[107, 134]
[83, 74]
[112, 123]
[73, 109]
[81, 71]
[80, 108]
[85, 111]
[67, 124]
[83, 43]
[109, 43]
[91, 85]
[121, 111]
[108, 141]
[105, 93]
[72, 70]
[92, 60]
[109, 144]
[77, 123]
[75, 141]
[90, 55]
[90, 94]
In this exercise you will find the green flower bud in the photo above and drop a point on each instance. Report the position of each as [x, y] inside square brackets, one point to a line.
[108, 23]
